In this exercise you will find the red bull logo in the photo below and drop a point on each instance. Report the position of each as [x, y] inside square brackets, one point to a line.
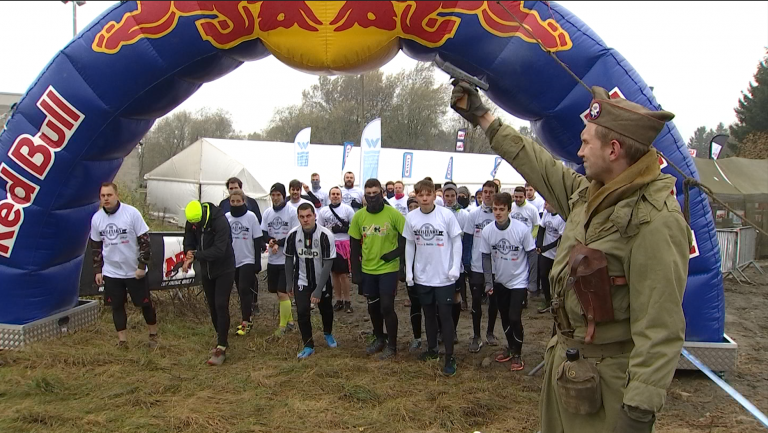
[367, 26]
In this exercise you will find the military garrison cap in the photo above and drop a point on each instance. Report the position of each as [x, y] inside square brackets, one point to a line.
[625, 117]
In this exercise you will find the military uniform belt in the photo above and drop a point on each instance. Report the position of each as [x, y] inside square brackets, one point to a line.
[596, 350]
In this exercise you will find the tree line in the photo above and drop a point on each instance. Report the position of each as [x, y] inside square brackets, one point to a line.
[417, 117]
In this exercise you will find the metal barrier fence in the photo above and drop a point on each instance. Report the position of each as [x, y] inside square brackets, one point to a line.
[747, 244]
[738, 249]
[727, 239]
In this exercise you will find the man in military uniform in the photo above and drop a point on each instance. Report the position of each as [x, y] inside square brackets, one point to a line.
[618, 278]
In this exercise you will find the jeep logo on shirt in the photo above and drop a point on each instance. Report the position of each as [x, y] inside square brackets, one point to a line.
[277, 224]
[112, 231]
[428, 232]
[505, 247]
[238, 228]
[306, 253]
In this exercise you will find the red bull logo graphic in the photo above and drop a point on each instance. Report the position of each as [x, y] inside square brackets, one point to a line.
[368, 24]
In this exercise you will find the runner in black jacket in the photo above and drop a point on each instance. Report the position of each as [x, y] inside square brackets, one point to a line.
[208, 239]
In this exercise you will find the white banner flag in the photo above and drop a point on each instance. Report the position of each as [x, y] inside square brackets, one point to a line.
[301, 148]
[370, 148]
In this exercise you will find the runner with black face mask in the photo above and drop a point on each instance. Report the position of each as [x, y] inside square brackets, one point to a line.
[377, 245]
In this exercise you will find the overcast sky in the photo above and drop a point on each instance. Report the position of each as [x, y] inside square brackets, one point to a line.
[698, 56]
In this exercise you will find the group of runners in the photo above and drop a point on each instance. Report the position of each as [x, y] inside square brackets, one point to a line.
[436, 239]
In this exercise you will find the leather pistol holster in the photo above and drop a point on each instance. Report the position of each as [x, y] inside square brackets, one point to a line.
[592, 286]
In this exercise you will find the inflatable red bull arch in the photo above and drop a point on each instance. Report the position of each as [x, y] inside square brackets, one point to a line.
[97, 98]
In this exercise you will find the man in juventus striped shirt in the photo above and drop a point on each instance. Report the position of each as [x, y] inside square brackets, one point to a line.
[312, 249]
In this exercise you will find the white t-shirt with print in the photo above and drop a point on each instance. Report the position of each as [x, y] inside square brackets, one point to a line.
[322, 196]
[244, 229]
[326, 219]
[508, 253]
[401, 205]
[433, 234]
[299, 203]
[474, 225]
[537, 202]
[278, 225]
[555, 227]
[118, 233]
[461, 218]
[526, 214]
[354, 193]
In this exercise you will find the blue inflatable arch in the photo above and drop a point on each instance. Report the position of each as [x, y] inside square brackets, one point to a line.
[89, 108]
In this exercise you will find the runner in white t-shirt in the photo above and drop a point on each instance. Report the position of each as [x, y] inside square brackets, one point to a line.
[121, 254]
[246, 242]
[350, 194]
[524, 211]
[309, 253]
[336, 217]
[294, 189]
[534, 198]
[552, 228]
[433, 264]
[400, 200]
[509, 267]
[473, 264]
[317, 196]
[276, 223]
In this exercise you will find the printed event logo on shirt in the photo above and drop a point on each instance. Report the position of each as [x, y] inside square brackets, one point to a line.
[506, 248]
[428, 232]
[112, 232]
[238, 228]
[277, 223]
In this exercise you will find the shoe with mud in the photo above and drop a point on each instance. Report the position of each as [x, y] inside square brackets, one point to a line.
[475, 345]
[348, 307]
[415, 345]
[338, 306]
[429, 355]
[244, 328]
[450, 367]
[491, 340]
[218, 355]
[517, 363]
[152, 343]
[377, 346]
[388, 353]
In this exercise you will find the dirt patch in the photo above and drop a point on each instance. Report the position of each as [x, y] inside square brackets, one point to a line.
[84, 383]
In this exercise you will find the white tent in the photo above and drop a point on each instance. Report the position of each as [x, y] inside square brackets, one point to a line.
[199, 171]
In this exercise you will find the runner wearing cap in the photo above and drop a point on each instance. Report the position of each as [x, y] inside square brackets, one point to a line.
[208, 239]
[277, 222]
[121, 254]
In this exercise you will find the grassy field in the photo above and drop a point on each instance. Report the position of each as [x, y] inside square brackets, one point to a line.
[84, 383]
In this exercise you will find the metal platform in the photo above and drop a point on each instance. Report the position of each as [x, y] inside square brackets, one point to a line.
[17, 336]
[719, 357]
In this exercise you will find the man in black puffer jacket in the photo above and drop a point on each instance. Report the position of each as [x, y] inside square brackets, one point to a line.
[208, 239]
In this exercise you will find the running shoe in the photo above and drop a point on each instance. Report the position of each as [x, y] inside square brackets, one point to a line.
[152, 343]
[290, 327]
[387, 353]
[244, 328]
[330, 340]
[348, 307]
[429, 355]
[377, 346]
[517, 363]
[415, 345]
[218, 355]
[491, 340]
[305, 353]
[338, 306]
[450, 366]
[475, 345]
[280, 332]
[544, 310]
[504, 357]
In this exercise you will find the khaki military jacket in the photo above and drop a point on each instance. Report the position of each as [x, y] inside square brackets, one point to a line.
[646, 240]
